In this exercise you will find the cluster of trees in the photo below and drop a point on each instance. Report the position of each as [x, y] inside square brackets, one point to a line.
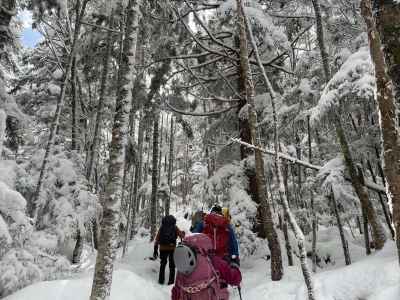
[284, 110]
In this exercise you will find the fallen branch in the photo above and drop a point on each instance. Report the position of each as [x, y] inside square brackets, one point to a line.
[205, 114]
[371, 185]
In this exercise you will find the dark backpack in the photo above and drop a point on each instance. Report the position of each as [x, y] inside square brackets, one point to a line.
[168, 231]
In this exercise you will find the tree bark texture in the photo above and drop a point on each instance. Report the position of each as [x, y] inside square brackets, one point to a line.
[77, 253]
[390, 29]
[387, 16]
[266, 214]
[112, 195]
[154, 175]
[170, 164]
[339, 224]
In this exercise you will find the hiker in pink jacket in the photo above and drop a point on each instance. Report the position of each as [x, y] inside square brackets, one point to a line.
[202, 275]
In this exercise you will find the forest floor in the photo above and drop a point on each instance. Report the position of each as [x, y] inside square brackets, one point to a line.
[376, 277]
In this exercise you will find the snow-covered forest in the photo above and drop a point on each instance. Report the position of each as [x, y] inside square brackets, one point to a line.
[287, 112]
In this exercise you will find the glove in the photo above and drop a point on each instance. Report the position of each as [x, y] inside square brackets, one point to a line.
[155, 253]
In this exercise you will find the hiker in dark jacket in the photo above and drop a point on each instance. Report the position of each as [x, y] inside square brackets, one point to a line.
[166, 240]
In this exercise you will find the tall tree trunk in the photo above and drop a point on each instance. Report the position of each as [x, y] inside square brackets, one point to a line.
[139, 165]
[36, 205]
[112, 195]
[94, 151]
[245, 136]
[74, 105]
[387, 14]
[339, 224]
[154, 175]
[387, 17]
[377, 229]
[156, 83]
[160, 148]
[170, 164]
[314, 215]
[307, 274]
[266, 217]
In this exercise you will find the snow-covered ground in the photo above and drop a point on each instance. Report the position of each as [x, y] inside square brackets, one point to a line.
[376, 277]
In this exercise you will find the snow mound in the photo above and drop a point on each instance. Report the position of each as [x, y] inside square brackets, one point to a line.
[126, 285]
[7, 172]
[360, 280]
[391, 293]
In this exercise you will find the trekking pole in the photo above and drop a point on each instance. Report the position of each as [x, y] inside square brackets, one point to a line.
[240, 292]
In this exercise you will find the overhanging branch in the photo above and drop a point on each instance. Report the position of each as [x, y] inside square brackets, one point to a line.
[372, 186]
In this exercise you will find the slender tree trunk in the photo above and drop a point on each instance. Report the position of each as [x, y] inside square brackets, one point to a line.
[314, 215]
[156, 83]
[267, 221]
[154, 175]
[366, 231]
[160, 148]
[94, 151]
[139, 165]
[74, 106]
[112, 195]
[377, 229]
[95, 232]
[170, 165]
[357, 180]
[3, 118]
[360, 229]
[186, 175]
[321, 40]
[77, 253]
[129, 221]
[36, 205]
[339, 223]
[289, 252]
[387, 19]
[285, 217]
[385, 210]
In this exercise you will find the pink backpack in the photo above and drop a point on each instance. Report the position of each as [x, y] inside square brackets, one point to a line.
[203, 283]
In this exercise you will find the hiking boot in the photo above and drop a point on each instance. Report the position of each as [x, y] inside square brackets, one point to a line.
[171, 278]
[171, 282]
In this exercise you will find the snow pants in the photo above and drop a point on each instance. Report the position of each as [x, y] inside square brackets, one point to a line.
[167, 256]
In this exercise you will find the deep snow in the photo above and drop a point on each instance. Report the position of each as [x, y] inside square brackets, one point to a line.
[376, 277]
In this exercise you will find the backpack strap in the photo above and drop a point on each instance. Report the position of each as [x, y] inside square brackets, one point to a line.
[198, 287]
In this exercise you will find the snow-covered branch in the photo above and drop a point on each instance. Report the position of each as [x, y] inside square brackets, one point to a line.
[369, 184]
